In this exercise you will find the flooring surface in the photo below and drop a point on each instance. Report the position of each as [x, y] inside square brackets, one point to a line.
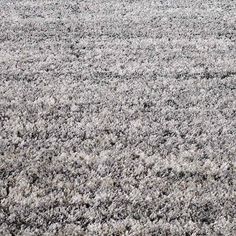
[117, 117]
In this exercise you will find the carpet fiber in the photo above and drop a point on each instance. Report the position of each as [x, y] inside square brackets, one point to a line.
[117, 117]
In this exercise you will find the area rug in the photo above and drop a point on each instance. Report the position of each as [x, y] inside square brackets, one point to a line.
[117, 117]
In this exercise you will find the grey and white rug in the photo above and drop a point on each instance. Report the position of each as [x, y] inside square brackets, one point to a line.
[117, 117]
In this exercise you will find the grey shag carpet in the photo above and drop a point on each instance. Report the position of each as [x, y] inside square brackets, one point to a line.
[117, 117]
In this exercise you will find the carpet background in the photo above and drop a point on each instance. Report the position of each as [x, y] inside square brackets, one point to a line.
[117, 117]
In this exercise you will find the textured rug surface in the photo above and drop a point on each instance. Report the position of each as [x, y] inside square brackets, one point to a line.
[117, 117]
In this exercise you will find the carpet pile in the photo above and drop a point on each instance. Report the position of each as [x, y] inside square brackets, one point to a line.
[117, 117]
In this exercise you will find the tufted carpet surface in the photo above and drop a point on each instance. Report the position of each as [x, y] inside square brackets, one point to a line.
[117, 117]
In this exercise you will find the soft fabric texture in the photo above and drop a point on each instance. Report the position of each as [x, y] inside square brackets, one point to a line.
[117, 117]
